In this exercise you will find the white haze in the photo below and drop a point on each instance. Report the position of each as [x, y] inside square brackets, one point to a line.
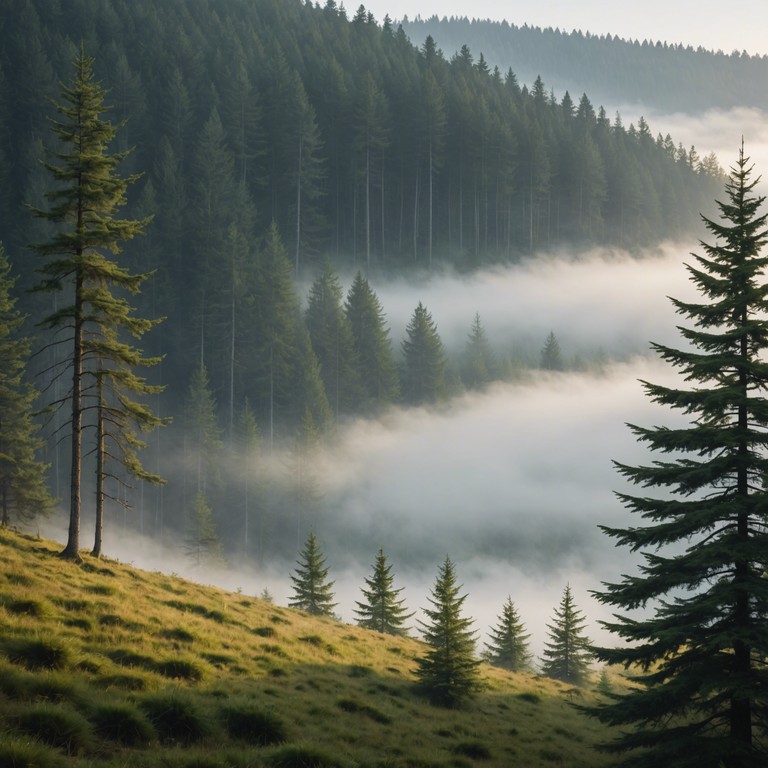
[511, 483]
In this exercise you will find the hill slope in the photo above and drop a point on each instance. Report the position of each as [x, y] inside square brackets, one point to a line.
[105, 665]
[666, 77]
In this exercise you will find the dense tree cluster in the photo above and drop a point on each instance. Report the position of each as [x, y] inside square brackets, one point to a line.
[663, 75]
[281, 139]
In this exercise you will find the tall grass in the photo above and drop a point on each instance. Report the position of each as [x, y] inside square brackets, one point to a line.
[188, 676]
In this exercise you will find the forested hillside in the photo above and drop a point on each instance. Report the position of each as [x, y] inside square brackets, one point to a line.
[666, 76]
[274, 140]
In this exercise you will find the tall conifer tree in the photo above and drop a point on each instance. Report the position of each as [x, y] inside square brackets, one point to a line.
[312, 592]
[509, 641]
[566, 652]
[371, 345]
[448, 672]
[84, 207]
[704, 698]
[423, 379]
[23, 492]
[382, 609]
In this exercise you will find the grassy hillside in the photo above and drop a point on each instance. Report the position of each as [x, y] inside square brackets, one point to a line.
[102, 664]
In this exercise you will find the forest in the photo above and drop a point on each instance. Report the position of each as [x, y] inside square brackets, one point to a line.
[273, 148]
[668, 76]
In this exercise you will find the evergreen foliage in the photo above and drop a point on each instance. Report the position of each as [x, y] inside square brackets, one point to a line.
[312, 592]
[567, 651]
[84, 209]
[664, 75]
[423, 376]
[203, 441]
[317, 134]
[202, 544]
[331, 338]
[699, 658]
[551, 356]
[23, 489]
[371, 346]
[509, 641]
[382, 610]
[479, 363]
[448, 672]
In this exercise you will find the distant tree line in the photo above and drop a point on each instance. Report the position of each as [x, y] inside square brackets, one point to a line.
[662, 75]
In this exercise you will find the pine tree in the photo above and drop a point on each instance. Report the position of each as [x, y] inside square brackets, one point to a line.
[84, 206]
[312, 592]
[202, 544]
[203, 438]
[479, 365]
[448, 673]
[551, 356]
[331, 337]
[704, 699]
[23, 491]
[423, 379]
[566, 653]
[509, 641]
[371, 345]
[382, 610]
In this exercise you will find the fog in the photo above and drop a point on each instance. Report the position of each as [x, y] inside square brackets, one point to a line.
[511, 483]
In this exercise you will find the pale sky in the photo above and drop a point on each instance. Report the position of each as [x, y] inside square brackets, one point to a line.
[713, 24]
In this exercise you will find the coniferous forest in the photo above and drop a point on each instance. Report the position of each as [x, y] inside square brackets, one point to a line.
[668, 76]
[197, 201]
[275, 144]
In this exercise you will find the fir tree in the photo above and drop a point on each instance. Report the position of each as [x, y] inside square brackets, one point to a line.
[423, 379]
[382, 610]
[551, 356]
[479, 365]
[448, 673]
[203, 437]
[312, 592]
[508, 647]
[566, 653]
[371, 345]
[331, 337]
[84, 207]
[202, 543]
[704, 699]
[23, 491]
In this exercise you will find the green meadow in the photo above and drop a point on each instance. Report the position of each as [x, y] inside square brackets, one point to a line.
[104, 665]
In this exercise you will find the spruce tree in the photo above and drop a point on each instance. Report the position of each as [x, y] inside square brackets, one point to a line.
[567, 652]
[478, 365]
[371, 345]
[423, 379]
[84, 208]
[704, 698]
[331, 337]
[448, 672]
[382, 609]
[312, 592]
[551, 356]
[202, 543]
[508, 647]
[23, 491]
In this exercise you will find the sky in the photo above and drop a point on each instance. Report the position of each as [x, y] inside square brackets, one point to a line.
[713, 24]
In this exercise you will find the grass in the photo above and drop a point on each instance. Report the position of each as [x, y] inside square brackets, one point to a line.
[191, 676]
